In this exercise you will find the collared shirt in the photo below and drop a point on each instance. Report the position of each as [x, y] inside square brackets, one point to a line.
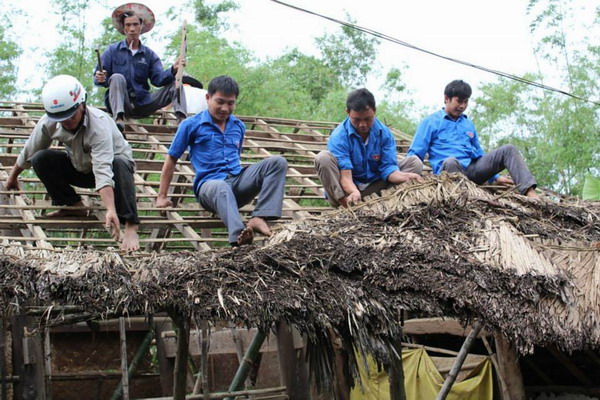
[91, 149]
[369, 161]
[214, 154]
[442, 137]
[136, 68]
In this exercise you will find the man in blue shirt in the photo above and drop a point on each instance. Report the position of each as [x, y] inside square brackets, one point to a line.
[361, 156]
[214, 138]
[128, 65]
[451, 141]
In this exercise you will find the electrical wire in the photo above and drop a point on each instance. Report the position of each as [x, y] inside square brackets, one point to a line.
[405, 44]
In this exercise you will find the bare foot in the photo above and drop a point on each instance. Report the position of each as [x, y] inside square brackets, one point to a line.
[69, 213]
[131, 241]
[258, 224]
[245, 237]
[532, 194]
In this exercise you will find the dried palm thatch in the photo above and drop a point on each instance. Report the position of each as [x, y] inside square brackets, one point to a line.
[443, 247]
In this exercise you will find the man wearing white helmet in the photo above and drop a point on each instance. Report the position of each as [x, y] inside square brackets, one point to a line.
[128, 65]
[96, 156]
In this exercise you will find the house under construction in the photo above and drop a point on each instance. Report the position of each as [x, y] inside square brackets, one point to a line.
[497, 291]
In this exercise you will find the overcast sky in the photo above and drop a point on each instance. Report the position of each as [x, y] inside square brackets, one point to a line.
[493, 34]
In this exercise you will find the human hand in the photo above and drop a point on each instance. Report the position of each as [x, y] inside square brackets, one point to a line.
[163, 202]
[504, 181]
[178, 63]
[353, 198]
[12, 184]
[100, 76]
[112, 224]
[410, 176]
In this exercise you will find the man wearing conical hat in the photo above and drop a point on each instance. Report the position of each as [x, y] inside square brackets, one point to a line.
[128, 65]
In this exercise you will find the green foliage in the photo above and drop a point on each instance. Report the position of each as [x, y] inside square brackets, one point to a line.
[558, 135]
[591, 188]
[209, 16]
[74, 55]
[9, 53]
[351, 54]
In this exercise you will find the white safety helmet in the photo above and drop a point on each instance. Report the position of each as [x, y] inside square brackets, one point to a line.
[61, 97]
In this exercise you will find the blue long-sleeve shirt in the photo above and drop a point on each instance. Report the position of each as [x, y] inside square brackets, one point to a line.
[370, 161]
[442, 137]
[137, 69]
[214, 154]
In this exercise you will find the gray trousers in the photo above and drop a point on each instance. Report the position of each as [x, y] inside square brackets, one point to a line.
[56, 171]
[225, 197]
[329, 174]
[505, 157]
[118, 101]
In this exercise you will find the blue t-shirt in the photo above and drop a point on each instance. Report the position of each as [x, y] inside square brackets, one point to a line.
[136, 68]
[370, 161]
[213, 154]
[442, 137]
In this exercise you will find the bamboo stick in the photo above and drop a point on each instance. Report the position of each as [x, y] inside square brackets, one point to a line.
[224, 395]
[460, 359]
[244, 368]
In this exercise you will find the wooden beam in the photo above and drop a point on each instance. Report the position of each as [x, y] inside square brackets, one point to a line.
[508, 362]
[438, 326]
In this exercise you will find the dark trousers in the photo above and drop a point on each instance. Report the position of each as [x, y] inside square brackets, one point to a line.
[55, 170]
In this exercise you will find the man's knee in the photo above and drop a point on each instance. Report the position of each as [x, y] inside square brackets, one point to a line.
[509, 150]
[278, 163]
[117, 80]
[412, 164]
[451, 164]
[41, 160]
[325, 158]
[122, 165]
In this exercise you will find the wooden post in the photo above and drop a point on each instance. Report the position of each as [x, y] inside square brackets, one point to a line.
[3, 359]
[28, 359]
[181, 359]
[292, 368]
[460, 359]
[125, 379]
[509, 368]
[48, 364]
[166, 365]
[397, 391]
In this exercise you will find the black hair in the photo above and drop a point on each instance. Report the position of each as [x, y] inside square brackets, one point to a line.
[360, 100]
[224, 84]
[458, 88]
[128, 14]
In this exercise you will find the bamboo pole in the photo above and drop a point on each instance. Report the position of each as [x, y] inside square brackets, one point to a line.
[503, 386]
[135, 363]
[249, 357]
[460, 359]
[224, 395]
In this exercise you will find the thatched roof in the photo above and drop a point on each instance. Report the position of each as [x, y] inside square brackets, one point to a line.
[444, 247]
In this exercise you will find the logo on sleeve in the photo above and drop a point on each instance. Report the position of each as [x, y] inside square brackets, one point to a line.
[376, 157]
[470, 134]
